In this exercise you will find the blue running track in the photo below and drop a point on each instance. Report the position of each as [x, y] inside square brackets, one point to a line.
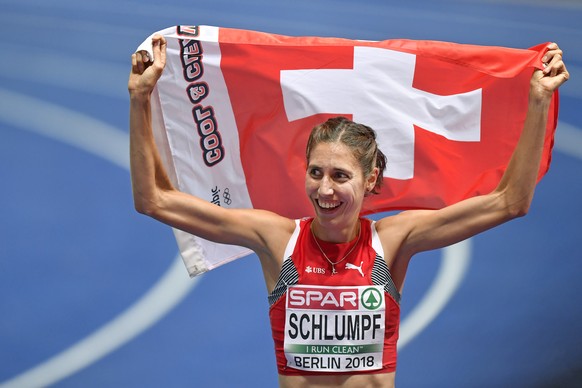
[94, 295]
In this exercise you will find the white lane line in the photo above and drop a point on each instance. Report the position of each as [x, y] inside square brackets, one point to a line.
[456, 258]
[162, 297]
[454, 265]
[568, 140]
[111, 144]
[65, 125]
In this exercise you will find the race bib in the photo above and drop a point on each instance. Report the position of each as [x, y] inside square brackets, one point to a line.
[334, 329]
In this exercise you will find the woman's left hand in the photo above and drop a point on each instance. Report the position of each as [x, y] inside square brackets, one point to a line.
[545, 82]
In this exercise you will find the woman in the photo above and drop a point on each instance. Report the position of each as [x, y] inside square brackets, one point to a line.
[335, 280]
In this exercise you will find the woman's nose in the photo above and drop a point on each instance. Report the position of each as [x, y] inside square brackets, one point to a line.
[325, 186]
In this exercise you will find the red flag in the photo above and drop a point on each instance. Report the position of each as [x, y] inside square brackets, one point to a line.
[236, 108]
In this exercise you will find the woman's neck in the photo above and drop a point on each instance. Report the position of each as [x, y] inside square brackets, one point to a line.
[335, 234]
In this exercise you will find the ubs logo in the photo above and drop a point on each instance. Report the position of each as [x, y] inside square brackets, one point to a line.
[317, 270]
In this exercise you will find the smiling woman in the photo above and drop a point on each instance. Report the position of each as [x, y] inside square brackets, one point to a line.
[338, 177]
[343, 158]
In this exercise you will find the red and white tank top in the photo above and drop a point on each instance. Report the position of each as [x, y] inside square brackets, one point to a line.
[341, 323]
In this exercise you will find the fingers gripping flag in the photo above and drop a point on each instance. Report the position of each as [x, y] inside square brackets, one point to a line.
[233, 110]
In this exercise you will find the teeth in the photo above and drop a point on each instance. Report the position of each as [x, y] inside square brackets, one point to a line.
[328, 205]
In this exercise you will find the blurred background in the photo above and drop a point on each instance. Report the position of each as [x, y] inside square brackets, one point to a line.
[94, 295]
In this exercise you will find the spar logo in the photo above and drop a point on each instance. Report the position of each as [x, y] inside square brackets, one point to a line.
[312, 298]
[371, 298]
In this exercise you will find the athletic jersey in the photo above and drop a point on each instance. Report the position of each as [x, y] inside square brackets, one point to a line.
[345, 322]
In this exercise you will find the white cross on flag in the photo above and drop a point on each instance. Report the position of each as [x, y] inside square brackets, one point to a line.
[233, 110]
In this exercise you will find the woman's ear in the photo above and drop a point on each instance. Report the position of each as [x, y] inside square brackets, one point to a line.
[371, 181]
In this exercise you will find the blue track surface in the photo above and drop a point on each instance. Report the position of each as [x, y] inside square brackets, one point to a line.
[75, 258]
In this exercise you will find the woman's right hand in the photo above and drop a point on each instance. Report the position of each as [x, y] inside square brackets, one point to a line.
[144, 74]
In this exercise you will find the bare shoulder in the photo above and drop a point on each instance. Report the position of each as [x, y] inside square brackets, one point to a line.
[274, 222]
[394, 232]
[395, 228]
[274, 230]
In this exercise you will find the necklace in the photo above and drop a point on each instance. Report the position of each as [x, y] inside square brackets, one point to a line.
[333, 271]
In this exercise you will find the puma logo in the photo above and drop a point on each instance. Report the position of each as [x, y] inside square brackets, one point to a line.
[353, 266]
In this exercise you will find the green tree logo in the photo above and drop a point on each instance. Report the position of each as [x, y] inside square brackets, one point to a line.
[371, 298]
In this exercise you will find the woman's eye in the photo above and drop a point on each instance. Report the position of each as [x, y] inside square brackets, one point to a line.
[314, 172]
[340, 176]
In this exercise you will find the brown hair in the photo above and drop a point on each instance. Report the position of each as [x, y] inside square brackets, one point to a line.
[360, 138]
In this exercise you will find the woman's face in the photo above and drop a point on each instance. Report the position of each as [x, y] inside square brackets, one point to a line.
[335, 184]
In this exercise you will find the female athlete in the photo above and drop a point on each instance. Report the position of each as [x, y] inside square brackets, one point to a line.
[335, 280]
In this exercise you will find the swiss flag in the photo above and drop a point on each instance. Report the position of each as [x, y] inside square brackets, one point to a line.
[235, 109]
[444, 170]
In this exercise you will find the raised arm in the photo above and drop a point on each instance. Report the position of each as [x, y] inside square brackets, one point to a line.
[154, 194]
[425, 230]
[148, 176]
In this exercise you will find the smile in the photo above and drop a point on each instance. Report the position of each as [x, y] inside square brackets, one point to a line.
[329, 205]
